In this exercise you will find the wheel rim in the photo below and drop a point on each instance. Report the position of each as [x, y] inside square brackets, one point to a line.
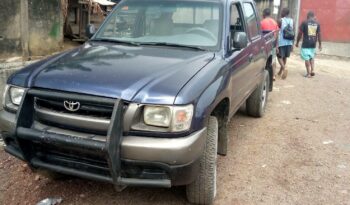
[264, 95]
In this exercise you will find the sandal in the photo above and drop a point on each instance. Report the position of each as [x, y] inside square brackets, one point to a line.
[280, 73]
[285, 74]
[312, 74]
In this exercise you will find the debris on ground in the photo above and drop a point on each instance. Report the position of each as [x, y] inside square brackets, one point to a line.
[276, 89]
[328, 142]
[344, 191]
[37, 178]
[339, 92]
[341, 166]
[300, 118]
[286, 102]
[50, 201]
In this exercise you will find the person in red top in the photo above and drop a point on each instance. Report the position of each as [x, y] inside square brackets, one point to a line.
[268, 24]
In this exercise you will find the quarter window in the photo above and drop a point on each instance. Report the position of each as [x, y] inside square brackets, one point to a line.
[252, 22]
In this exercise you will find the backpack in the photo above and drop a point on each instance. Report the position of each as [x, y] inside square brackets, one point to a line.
[288, 32]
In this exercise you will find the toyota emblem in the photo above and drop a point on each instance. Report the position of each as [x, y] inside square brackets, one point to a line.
[71, 105]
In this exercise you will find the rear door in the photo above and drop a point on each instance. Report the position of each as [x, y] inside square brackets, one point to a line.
[256, 45]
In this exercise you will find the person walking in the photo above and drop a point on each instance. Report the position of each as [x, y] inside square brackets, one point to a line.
[285, 41]
[268, 24]
[310, 31]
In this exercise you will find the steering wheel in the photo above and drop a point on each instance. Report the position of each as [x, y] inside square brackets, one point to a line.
[202, 32]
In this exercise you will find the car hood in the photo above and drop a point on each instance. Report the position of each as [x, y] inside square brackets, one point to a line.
[140, 74]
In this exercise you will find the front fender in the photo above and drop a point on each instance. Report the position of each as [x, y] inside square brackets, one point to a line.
[205, 91]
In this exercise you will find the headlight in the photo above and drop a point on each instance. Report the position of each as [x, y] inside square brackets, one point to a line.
[157, 116]
[175, 118]
[16, 95]
[12, 97]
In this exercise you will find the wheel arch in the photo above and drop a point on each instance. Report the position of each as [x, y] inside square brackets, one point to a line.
[221, 112]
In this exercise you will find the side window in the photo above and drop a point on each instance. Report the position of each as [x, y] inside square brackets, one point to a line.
[252, 22]
[236, 20]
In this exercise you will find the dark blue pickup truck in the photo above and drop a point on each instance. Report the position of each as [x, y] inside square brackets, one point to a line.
[146, 101]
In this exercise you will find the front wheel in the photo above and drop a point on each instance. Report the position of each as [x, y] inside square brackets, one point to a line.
[203, 189]
[256, 103]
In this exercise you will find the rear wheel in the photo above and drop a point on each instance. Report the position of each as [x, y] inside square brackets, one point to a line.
[256, 103]
[203, 189]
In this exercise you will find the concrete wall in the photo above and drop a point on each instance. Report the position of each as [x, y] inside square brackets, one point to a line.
[336, 49]
[30, 27]
[291, 4]
[10, 28]
[45, 27]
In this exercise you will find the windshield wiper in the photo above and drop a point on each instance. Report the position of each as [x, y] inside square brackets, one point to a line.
[116, 41]
[173, 45]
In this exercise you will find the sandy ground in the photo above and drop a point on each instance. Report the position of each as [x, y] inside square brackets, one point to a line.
[299, 153]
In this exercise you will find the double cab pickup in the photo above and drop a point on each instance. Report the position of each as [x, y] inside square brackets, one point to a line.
[147, 99]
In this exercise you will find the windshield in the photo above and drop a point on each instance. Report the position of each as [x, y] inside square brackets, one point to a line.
[168, 23]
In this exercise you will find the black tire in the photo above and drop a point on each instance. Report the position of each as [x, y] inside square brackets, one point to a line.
[256, 103]
[203, 189]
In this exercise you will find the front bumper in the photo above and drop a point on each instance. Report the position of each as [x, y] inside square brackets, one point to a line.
[139, 161]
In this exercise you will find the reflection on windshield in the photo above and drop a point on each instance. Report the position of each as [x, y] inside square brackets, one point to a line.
[183, 23]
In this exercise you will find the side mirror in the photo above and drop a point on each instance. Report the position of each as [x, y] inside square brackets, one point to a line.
[90, 30]
[240, 40]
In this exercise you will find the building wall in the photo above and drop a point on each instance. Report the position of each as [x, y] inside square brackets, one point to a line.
[291, 4]
[45, 27]
[334, 17]
[30, 27]
[263, 4]
[10, 29]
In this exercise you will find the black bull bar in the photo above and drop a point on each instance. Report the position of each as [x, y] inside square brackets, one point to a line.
[110, 149]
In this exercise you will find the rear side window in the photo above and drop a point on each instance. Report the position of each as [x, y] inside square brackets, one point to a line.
[252, 22]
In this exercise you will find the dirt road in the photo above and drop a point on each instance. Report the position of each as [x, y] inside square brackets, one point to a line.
[299, 153]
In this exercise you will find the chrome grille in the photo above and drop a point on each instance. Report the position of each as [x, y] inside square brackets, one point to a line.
[88, 109]
[91, 117]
